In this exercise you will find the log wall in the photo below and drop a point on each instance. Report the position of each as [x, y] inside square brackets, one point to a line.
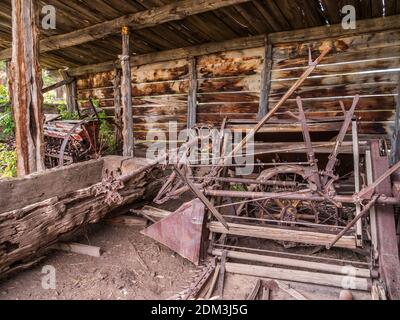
[229, 86]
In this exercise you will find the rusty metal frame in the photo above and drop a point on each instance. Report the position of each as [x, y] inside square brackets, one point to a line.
[388, 250]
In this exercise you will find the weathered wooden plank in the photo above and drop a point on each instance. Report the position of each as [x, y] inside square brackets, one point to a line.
[96, 80]
[157, 72]
[26, 79]
[170, 55]
[231, 84]
[166, 110]
[192, 96]
[324, 279]
[382, 77]
[294, 263]
[126, 96]
[224, 108]
[281, 234]
[334, 69]
[331, 104]
[151, 119]
[160, 88]
[345, 89]
[232, 63]
[79, 249]
[292, 59]
[229, 97]
[374, 127]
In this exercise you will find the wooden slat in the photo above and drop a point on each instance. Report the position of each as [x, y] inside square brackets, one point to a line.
[281, 234]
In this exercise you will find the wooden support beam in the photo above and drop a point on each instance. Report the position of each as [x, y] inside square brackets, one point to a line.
[79, 249]
[55, 86]
[70, 91]
[311, 34]
[136, 21]
[26, 79]
[173, 54]
[323, 279]
[265, 84]
[395, 152]
[192, 97]
[126, 96]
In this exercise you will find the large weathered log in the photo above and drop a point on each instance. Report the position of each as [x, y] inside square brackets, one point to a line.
[26, 80]
[29, 232]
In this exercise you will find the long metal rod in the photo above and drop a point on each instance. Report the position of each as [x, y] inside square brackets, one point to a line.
[294, 196]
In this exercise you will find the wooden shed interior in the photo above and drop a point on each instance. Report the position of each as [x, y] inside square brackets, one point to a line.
[228, 50]
[178, 64]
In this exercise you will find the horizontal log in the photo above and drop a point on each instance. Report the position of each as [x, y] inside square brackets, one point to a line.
[296, 263]
[278, 234]
[136, 21]
[330, 280]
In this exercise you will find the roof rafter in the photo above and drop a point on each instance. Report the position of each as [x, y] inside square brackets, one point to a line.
[139, 20]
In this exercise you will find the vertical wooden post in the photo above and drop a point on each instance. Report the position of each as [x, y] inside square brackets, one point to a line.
[192, 97]
[26, 79]
[118, 108]
[265, 84]
[395, 152]
[126, 96]
[70, 92]
[9, 76]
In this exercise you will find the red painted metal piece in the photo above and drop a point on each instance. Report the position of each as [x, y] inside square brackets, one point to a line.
[181, 231]
[389, 263]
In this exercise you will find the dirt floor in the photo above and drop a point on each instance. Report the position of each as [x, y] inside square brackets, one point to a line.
[119, 274]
